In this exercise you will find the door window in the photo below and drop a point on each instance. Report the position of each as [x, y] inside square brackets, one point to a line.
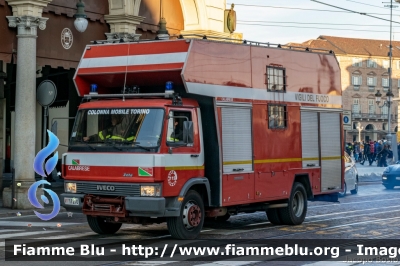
[175, 125]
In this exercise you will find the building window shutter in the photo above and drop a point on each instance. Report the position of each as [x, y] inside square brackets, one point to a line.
[356, 80]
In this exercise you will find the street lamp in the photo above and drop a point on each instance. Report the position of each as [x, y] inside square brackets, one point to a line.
[388, 104]
[80, 22]
[389, 94]
[359, 128]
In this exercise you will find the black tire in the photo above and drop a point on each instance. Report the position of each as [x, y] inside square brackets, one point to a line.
[389, 186]
[98, 225]
[273, 216]
[355, 190]
[343, 194]
[183, 227]
[295, 212]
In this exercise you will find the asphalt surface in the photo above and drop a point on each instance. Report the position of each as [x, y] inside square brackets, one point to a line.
[371, 214]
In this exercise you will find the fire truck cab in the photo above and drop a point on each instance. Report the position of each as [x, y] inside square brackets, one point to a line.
[189, 129]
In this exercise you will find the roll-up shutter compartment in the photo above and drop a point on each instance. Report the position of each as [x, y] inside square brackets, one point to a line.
[238, 179]
[236, 139]
[310, 139]
[331, 157]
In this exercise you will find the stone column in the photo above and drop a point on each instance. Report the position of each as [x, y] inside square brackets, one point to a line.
[25, 107]
[123, 19]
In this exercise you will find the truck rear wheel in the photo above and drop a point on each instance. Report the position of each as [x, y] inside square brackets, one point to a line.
[273, 216]
[100, 226]
[191, 219]
[296, 211]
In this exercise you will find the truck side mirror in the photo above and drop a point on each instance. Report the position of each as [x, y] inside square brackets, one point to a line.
[188, 132]
[54, 128]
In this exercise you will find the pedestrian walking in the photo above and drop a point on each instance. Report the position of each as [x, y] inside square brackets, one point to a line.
[365, 152]
[371, 153]
[357, 152]
[382, 156]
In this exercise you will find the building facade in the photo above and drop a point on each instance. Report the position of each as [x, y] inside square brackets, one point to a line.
[40, 42]
[364, 67]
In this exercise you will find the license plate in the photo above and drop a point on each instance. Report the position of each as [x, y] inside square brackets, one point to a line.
[71, 201]
[397, 178]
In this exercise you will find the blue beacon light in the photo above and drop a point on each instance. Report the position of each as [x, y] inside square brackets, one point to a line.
[169, 88]
[93, 89]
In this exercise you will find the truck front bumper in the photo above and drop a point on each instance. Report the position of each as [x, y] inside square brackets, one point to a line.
[134, 206]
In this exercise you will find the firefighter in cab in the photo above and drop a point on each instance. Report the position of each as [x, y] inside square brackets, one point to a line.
[115, 132]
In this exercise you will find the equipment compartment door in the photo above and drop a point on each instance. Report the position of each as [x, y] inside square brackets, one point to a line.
[237, 139]
[310, 139]
[331, 158]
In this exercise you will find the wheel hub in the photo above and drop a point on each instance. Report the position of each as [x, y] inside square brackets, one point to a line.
[191, 215]
[298, 204]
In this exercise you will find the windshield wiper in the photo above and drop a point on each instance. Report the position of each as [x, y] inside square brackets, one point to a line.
[113, 143]
[87, 144]
[134, 144]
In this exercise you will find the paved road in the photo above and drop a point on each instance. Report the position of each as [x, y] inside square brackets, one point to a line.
[371, 214]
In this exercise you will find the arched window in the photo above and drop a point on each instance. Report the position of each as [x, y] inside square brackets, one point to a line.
[370, 127]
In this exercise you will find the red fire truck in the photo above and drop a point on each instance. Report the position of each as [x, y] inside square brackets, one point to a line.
[190, 129]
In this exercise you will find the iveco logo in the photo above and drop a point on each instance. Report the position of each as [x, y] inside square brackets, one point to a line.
[104, 187]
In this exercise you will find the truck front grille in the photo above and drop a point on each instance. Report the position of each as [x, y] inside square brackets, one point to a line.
[112, 189]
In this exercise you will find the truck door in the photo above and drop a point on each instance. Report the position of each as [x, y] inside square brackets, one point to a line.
[186, 159]
[237, 153]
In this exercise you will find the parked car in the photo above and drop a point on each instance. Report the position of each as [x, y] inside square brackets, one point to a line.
[391, 176]
[350, 177]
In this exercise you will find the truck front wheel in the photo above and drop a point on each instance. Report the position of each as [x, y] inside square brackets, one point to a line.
[296, 211]
[100, 226]
[191, 219]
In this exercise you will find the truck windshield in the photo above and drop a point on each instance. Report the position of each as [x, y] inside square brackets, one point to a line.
[122, 129]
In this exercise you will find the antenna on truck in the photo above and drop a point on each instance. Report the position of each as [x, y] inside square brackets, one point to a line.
[126, 71]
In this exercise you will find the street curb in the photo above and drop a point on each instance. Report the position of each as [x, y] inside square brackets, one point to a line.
[12, 212]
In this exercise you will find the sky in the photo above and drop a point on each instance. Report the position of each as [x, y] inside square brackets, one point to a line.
[284, 21]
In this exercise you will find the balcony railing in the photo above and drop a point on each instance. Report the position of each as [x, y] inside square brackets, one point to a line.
[356, 115]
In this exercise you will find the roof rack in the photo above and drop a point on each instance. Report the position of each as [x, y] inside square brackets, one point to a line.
[176, 98]
[132, 95]
[214, 38]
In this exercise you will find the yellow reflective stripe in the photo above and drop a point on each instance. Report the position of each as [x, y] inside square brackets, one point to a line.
[280, 160]
[115, 137]
[131, 138]
[283, 160]
[101, 135]
[169, 168]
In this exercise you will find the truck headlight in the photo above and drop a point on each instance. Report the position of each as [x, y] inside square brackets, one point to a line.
[384, 177]
[150, 191]
[70, 187]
